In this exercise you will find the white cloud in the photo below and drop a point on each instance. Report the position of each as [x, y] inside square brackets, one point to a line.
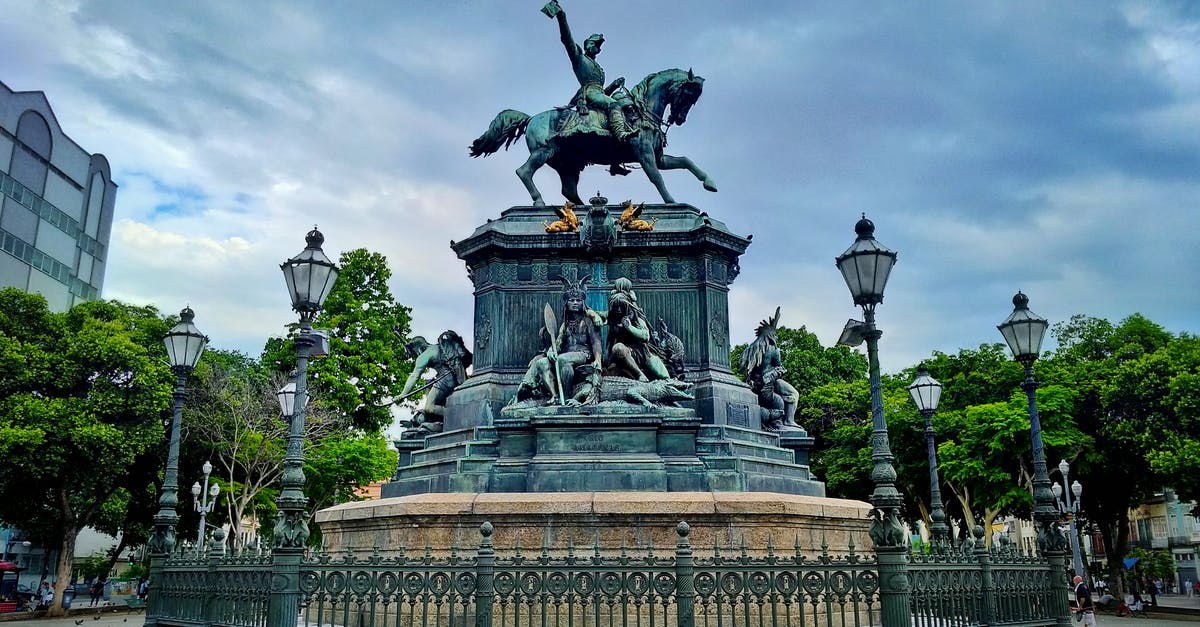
[1059, 158]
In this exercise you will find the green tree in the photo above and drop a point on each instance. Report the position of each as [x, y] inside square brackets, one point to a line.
[1123, 377]
[366, 366]
[1155, 564]
[89, 384]
[338, 466]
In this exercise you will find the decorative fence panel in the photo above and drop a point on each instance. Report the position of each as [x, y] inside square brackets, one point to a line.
[969, 584]
[214, 589]
[588, 588]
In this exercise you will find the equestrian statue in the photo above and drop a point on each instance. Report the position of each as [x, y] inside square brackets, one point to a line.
[610, 125]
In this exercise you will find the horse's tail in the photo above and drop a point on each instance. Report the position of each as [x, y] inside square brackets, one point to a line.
[508, 126]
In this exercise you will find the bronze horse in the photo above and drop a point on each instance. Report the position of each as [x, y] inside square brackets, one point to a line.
[560, 139]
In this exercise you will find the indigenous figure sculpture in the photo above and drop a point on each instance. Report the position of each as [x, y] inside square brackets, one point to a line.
[763, 365]
[671, 348]
[636, 121]
[450, 359]
[631, 351]
[572, 357]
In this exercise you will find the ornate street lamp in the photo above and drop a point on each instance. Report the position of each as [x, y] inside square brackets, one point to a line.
[185, 343]
[926, 392]
[865, 266]
[310, 276]
[287, 399]
[1070, 508]
[1024, 330]
[202, 503]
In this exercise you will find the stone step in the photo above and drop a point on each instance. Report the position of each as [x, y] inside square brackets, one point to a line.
[707, 447]
[740, 434]
[457, 450]
[445, 467]
[460, 435]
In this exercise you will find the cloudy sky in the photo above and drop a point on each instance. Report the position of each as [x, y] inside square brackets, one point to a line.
[1052, 147]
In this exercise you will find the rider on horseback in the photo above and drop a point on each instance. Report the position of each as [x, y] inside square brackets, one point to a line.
[590, 74]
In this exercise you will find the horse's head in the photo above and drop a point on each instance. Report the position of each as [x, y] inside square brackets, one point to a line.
[684, 95]
[674, 89]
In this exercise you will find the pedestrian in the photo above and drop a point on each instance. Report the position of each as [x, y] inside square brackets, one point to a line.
[97, 591]
[1152, 589]
[45, 595]
[143, 588]
[1187, 586]
[1083, 603]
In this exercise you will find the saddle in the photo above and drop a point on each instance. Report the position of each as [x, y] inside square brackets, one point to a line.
[578, 118]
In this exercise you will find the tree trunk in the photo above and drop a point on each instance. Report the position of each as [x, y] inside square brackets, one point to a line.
[112, 561]
[66, 560]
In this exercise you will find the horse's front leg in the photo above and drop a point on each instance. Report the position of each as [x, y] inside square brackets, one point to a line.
[537, 158]
[671, 162]
[649, 163]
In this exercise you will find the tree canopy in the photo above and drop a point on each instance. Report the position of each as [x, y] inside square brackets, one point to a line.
[366, 366]
[88, 384]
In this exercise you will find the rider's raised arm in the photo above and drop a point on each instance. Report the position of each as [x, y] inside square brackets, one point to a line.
[564, 32]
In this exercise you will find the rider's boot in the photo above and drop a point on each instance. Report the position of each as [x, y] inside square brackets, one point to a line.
[616, 120]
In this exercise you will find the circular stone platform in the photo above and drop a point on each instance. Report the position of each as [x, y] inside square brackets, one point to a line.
[632, 519]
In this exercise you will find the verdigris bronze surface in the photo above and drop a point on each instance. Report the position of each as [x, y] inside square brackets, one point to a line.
[632, 351]
[763, 365]
[449, 359]
[572, 358]
[608, 126]
[572, 370]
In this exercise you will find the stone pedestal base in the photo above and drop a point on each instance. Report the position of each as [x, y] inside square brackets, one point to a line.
[614, 519]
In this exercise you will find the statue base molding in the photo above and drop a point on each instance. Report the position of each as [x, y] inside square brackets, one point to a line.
[614, 519]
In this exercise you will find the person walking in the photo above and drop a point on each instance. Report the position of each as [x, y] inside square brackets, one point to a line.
[1083, 603]
[1187, 586]
[96, 591]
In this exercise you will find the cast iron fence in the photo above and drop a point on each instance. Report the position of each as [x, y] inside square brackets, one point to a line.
[971, 584]
[963, 585]
[639, 588]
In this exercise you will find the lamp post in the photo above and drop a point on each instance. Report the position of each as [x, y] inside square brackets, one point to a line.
[865, 266]
[1024, 330]
[202, 503]
[185, 343]
[1069, 507]
[926, 392]
[310, 276]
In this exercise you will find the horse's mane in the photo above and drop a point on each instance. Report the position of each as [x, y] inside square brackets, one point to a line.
[639, 90]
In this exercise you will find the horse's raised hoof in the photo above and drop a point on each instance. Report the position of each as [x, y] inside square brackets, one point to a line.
[709, 185]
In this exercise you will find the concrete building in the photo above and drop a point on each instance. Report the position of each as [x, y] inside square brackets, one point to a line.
[56, 205]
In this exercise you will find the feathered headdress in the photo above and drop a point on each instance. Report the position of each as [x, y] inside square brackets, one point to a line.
[574, 288]
[764, 335]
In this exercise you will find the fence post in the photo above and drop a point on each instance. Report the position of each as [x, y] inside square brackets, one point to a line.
[685, 584]
[485, 568]
[1059, 587]
[987, 588]
[214, 597]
